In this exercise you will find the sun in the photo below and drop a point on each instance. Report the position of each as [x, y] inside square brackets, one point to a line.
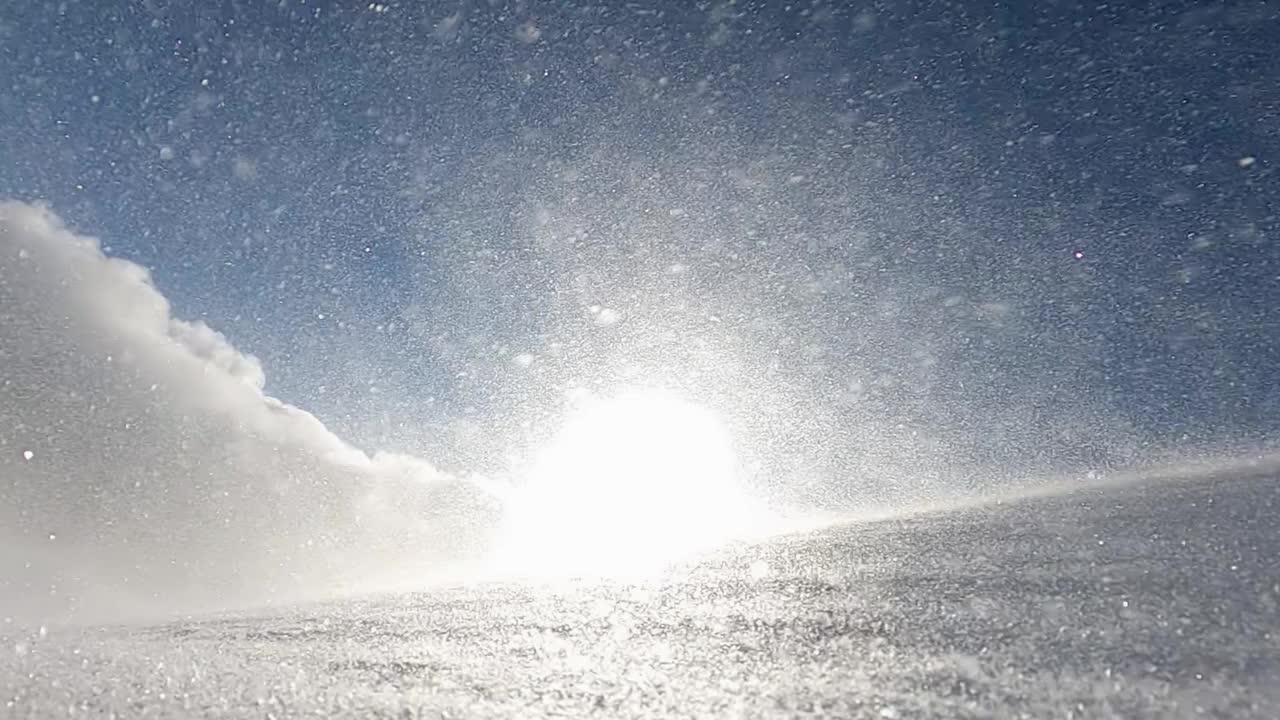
[630, 482]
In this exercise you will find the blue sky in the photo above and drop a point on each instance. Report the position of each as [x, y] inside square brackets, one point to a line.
[920, 234]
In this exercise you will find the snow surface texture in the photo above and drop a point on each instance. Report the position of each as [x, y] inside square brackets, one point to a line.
[144, 470]
[1157, 601]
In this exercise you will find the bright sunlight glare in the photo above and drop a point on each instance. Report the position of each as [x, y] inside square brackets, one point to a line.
[628, 484]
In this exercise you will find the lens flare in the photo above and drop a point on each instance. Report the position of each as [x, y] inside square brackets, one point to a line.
[630, 483]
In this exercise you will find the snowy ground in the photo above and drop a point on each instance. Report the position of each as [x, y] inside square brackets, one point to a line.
[1161, 601]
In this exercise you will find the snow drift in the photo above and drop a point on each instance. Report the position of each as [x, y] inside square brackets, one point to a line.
[143, 469]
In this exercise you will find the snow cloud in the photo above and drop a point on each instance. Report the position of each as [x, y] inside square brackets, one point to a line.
[143, 470]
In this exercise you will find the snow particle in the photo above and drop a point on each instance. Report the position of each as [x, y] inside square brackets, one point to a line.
[1247, 161]
[606, 316]
[244, 168]
[27, 455]
[528, 33]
